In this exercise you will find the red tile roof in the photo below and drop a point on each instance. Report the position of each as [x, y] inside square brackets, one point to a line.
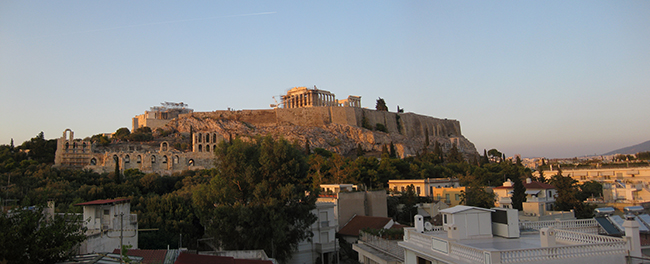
[360, 222]
[150, 256]
[100, 202]
[187, 258]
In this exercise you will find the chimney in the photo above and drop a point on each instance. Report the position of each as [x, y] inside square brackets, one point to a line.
[547, 237]
[419, 223]
[632, 235]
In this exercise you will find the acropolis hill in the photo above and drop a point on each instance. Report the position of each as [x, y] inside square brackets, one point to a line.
[304, 115]
[336, 125]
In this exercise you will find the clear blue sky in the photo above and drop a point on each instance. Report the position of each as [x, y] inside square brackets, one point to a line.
[536, 78]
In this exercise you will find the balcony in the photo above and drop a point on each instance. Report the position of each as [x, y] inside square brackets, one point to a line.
[326, 247]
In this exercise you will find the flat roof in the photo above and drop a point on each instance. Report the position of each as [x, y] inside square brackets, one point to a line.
[462, 208]
[495, 243]
[100, 202]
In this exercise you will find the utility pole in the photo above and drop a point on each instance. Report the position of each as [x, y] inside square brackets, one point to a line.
[121, 236]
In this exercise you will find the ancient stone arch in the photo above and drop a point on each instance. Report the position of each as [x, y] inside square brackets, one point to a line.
[70, 136]
[207, 148]
[127, 159]
[93, 161]
[190, 162]
[153, 159]
[164, 146]
[139, 159]
[164, 159]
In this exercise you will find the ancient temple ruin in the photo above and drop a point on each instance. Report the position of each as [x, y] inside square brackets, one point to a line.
[300, 97]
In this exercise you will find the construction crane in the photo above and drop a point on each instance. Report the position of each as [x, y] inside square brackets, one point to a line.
[277, 105]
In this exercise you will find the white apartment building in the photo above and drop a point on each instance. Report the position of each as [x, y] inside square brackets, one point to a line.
[108, 223]
[322, 248]
[478, 235]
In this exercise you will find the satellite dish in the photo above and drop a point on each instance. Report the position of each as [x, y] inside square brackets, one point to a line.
[428, 226]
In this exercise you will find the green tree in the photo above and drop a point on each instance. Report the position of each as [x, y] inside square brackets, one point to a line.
[438, 155]
[518, 193]
[484, 158]
[360, 151]
[495, 155]
[260, 198]
[392, 152]
[590, 189]
[100, 139]
[381, 105]
[29, 236]
[475, 194]
[454, 155]
[122, 133]
[568, 196]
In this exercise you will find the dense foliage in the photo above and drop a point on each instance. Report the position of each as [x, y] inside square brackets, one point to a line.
[256, 186]
[260, 198]
[29, 236]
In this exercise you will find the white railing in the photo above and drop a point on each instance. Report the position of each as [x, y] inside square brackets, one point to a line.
[466, 253]
[418, 238]
[563, 252]
[564, 224]
[583, 238]
[389, 247]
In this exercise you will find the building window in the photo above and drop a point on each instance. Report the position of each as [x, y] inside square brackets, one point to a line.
[447, 197]
[199, 137]
[127, 159]
[214, 138]
[175, 160]
[207, 138]
[139, 159]
[164, 159]
[207, 148]
[200, 148]
[457, 196]
[164, 146]
[153, 159]
[190, 162]
[93, 161]
[417, 190]
[444, 218]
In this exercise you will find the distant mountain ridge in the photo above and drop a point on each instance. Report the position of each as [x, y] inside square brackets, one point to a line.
[645, 146]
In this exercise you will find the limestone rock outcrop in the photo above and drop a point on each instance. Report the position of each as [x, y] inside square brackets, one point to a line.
[337, 129]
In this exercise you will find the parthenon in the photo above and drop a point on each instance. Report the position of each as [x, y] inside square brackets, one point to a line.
[299, 97]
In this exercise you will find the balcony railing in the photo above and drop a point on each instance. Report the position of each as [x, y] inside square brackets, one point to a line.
[564, 252]
[387, 246]
[591, 245]
[565, 224]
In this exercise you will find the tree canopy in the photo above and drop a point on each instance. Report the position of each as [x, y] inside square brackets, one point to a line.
[29, 236]
[381, 105]
[260, 198]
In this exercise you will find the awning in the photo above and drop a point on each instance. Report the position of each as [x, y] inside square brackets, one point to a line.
[532, 192]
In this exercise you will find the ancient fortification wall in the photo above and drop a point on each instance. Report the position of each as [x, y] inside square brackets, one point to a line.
[407, 124]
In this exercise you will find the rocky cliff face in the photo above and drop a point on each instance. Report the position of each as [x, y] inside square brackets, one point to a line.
[337, 129]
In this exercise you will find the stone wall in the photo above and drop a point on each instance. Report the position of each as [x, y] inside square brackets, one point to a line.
[410, 124]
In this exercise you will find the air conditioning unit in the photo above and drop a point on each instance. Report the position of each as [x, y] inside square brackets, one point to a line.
[505, 222]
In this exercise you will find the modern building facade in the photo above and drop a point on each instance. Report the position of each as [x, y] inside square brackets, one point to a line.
[109, 224]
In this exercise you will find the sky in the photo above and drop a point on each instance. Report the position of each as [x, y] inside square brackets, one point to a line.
[537, 78]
